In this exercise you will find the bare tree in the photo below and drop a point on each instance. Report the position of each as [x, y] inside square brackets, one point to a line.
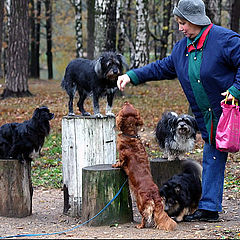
[48, 14]
[90, 28]
[142, 36]
[100, 26]
[78, 27]
[1, 30]
[165, 29]
[213, 10]
[235, 16]
[34, 22]
[17, 53]
[111, 25]
[120, 30]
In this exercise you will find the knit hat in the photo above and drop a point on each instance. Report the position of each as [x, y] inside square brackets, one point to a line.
[193, 11]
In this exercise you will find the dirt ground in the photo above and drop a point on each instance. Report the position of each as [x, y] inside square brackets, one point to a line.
[47, 217]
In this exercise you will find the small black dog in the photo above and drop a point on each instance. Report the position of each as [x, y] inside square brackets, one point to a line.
[21, 140]
[182, 192]
[176, 135]
[98, 77]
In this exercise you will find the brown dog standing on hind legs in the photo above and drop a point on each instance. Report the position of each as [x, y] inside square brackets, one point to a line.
[133, 159]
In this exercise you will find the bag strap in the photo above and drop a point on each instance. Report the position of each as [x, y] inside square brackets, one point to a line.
[234, 101]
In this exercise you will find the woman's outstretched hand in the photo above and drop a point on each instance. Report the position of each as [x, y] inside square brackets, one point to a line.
[122, 81]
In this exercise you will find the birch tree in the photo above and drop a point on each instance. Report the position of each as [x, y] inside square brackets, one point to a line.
[141, 43]
[100, 26]
[78, 27]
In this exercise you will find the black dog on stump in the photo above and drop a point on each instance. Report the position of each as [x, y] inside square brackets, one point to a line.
[96, 77]
[23, 140]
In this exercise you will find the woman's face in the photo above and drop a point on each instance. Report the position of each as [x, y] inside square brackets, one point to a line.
[189, 30]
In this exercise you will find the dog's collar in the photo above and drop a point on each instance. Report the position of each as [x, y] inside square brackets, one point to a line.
[131, 136]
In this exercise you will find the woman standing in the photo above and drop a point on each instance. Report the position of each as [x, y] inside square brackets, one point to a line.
[207, 63]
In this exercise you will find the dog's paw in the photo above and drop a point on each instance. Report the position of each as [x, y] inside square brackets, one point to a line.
[98, 115]
[110, 114]
[86, 114]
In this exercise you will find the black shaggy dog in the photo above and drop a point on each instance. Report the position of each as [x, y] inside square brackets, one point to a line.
[21, 140]
[175, 134]
[96, 77]
[182, 192]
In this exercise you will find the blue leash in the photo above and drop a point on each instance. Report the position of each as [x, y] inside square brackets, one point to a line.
[71, 229]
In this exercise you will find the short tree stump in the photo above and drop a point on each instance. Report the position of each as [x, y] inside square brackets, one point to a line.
[15, 188]
[100, 184]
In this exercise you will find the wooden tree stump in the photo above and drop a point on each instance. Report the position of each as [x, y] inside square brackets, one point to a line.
[86, 141]
[100, 184]
[162, 169]
[15, 188]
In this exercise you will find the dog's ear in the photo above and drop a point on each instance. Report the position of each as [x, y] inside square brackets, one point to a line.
[123, 60]
[194, 123]
[36, 113]
[98, 67]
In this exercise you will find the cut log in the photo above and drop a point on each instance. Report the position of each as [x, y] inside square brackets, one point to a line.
[100, 184]
[86, 141]
[15, 188]
[162, 169]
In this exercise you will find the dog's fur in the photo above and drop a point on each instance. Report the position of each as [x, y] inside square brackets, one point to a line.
[96, 77]
[134, 160]
[21, 140]
[176, 135]
[182, 192]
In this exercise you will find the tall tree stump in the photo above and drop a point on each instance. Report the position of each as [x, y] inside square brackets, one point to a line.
[162, 169]
[100, 184]
[86, 141]
[15, 188]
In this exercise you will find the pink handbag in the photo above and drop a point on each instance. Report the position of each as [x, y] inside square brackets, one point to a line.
[228, 129]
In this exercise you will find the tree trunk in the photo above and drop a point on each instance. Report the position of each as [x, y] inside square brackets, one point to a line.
[165, 29]
[86, 141]
[141, 42]
[48, 14]
[176, 35]
[38, 29]
[1, 35]
[120, 21]
[90, 28]
[100, 26]
[213, 11]
[78, 27]
[17, 53]
[100, 184]
[16, 188]
[235, 16]
[32, 38]
[111, 24]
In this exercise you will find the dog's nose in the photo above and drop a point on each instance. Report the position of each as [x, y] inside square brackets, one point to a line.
[115, 71]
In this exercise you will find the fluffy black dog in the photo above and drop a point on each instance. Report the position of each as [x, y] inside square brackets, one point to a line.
[183, 191]
[98, 77]
[175, 134]
[21, 140]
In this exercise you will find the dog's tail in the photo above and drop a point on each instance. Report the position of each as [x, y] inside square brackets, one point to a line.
[192, 167]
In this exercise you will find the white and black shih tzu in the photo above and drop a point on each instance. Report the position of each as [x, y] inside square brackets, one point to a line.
[176, 135]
